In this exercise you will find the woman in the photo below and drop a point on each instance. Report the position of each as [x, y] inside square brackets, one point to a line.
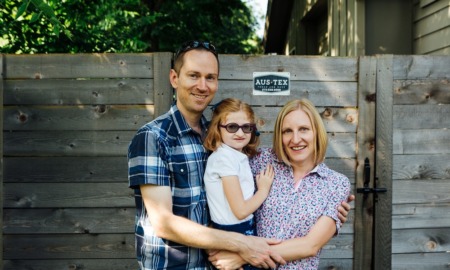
[301, 206]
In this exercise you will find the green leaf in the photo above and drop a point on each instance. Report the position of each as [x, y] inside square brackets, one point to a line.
[56, 30]
[35, 17]
[22, 9]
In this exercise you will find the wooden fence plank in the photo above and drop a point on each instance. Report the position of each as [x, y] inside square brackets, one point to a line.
[163, 89]
[383, 154]
[346, 166]
[415, 67]
[67, 143]
[72, 264]
[81, 117]
[416, 216]
[308, 68]
[421, 191]
[422, 116]
[338, 247]
[416, 92]
[73, 246]
[67, 92]
[421, 167]
[321, 93]
[70, 66]
[2, 74]
[335, 264]
[69, 221]
[421, 240]
[420, 261]
[67, 195]
[422, 141]
[68, 169]
[365, 149]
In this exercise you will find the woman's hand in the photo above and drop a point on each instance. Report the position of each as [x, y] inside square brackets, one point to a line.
[226, 260]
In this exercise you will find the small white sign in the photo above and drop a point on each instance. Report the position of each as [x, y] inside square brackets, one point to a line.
[271, 83]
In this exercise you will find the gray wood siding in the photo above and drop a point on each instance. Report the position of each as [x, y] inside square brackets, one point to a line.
[431, 27]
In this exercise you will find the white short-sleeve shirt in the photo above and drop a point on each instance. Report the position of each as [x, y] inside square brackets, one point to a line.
[226, 161]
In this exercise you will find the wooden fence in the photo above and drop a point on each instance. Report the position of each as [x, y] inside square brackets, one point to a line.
[68, 119]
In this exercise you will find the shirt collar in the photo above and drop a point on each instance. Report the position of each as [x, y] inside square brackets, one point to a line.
[181, 124]
[235, 152]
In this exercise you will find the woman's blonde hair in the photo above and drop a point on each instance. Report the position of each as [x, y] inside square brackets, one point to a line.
[320, 133]
[220, 112]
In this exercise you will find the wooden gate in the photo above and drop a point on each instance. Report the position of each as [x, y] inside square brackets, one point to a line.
[68, 119]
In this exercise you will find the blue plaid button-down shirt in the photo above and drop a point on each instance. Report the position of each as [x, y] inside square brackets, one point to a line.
[168, 152]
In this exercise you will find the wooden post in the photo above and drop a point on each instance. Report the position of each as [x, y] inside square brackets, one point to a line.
[163, 96]
[2, 56]
[365, 149]
[383, 148]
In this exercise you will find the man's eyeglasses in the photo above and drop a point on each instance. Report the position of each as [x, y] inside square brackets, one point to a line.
[233, 127]
[190, 45]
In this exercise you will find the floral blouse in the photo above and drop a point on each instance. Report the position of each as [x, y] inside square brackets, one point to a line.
[290, 212]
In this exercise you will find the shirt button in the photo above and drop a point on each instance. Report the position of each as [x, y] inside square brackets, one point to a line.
[182, 170]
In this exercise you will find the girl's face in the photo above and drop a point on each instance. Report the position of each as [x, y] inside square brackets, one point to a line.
[238, 139]
[298, 138]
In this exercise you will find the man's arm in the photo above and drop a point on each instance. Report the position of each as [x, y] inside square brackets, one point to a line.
[158, 203]
[344, 208]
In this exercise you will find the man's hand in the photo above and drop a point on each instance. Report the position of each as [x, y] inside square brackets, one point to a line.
[344, 208]
[258, 252]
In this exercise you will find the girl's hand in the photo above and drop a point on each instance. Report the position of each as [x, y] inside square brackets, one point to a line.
[264, 179]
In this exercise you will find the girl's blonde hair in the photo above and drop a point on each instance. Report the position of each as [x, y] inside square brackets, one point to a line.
[320, 138]
[220, 112]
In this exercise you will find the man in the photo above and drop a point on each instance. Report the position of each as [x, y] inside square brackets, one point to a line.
[166, 162]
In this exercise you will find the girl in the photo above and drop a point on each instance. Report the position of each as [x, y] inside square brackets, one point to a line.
[229, 183]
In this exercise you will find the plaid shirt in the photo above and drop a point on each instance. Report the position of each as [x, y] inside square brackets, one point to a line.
[168, 152]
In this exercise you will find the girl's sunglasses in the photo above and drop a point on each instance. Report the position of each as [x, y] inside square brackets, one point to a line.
[233, 127]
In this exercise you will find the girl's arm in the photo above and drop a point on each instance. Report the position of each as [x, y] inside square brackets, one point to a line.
[243, 208]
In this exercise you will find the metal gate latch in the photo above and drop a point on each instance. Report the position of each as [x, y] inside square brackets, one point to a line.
[366, 189]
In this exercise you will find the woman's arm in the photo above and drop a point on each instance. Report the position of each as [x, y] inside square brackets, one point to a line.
[290, 250]
[309, 245]
[243, 208]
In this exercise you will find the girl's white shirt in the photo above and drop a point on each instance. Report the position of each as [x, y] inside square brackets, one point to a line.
[226, 161]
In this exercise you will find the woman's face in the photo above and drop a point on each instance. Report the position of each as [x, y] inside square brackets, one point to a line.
[298, 138]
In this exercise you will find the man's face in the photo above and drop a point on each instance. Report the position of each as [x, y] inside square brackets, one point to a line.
[196, 83]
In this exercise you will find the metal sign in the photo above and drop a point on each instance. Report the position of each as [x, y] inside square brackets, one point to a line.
[271, 83]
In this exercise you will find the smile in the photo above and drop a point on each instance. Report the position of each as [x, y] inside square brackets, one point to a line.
[199, 96]
[298, 148]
